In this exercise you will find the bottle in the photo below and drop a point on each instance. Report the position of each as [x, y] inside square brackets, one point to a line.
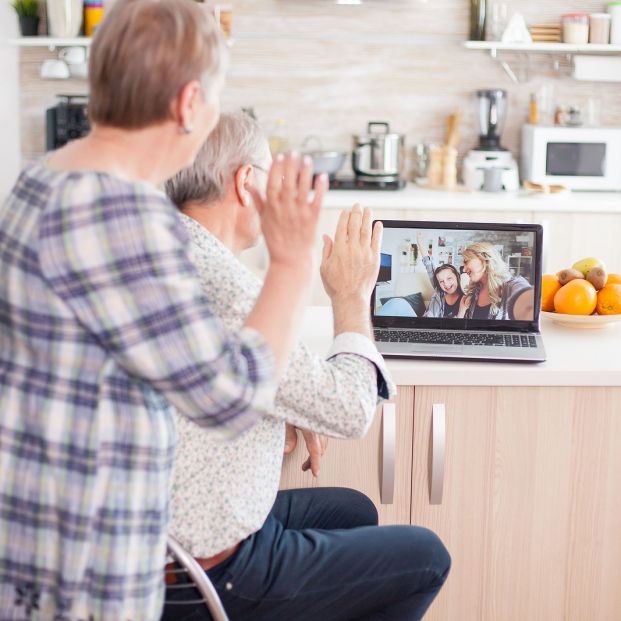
[278, 140]
[478, 16]
[533, 113]
[93, 14]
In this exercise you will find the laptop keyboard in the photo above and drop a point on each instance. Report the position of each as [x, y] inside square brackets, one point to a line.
[442, 337]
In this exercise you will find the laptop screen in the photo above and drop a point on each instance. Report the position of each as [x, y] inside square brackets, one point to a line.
[440, 274]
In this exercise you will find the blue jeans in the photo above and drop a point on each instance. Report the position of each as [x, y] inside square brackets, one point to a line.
[320, 556]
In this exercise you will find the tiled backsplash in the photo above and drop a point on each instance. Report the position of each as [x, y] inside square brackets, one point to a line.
[327, 69]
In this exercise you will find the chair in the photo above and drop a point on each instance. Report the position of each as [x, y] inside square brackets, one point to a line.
[198, 580]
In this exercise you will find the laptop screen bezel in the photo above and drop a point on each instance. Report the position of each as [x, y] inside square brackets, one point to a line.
[441, 323]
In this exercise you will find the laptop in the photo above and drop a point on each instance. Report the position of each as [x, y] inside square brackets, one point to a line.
[459, 290]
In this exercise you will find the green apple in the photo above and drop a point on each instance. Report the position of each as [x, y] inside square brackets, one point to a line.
[586, 265]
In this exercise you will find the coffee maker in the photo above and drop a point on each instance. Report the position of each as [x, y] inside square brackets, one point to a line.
[490, 155]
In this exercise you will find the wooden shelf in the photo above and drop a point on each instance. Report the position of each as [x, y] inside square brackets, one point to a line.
[550, 48]
[51, 42]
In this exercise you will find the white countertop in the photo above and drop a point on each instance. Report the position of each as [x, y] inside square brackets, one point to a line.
[415, 197]
[576, 357]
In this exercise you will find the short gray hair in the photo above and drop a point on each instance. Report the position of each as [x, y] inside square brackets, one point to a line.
[236, 140]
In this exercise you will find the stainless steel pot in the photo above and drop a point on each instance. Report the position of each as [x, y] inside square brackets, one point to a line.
[378, 153]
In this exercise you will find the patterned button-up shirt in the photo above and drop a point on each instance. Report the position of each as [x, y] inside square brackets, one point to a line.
[102, 318]
[223, 492]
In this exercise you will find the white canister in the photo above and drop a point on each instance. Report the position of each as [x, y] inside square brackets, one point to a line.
[599, 28]
[614, 8]
[64, 18]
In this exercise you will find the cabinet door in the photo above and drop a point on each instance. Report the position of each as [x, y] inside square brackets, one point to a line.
[531, 501]
[364, 464]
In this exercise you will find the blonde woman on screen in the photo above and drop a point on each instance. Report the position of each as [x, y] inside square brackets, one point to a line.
[493, 292]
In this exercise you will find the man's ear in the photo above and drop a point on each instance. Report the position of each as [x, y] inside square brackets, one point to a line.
[243, 176]
[183, 106]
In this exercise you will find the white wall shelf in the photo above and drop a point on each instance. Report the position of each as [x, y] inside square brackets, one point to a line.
[560, 52]
[550, 48]
[51, 42]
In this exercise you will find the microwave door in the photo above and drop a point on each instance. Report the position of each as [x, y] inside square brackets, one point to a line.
[576, 159]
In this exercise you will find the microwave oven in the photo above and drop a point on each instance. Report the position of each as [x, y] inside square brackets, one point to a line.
[581, 158]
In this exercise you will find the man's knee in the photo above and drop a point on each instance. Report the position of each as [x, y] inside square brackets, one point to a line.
[436, 555]
[361, 506]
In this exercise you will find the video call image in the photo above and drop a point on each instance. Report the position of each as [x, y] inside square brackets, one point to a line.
[465, 274]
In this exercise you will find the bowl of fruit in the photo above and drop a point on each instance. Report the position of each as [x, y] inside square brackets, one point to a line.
[582, 296]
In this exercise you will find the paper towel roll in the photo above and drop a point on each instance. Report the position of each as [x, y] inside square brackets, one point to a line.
[597, 68]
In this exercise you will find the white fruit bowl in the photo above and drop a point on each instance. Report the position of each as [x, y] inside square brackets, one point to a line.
[582, 321]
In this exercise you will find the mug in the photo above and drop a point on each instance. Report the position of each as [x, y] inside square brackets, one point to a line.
[79, 70]
[73, 55]
[54, 69]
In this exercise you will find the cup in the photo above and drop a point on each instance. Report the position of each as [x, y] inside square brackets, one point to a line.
[492, 179]
[73, 55]
[54, 69]
[79, 71]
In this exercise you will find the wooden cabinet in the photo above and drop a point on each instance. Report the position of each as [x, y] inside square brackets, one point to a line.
[531, 502]
[530, 485]
[362, 464]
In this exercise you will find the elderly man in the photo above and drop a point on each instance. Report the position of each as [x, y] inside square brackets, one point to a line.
[300, 554]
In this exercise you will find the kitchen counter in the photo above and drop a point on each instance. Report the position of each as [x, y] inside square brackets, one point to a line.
[576, 357]
[416, 197]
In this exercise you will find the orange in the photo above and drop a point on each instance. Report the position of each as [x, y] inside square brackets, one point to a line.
[549, 286]
[609, 300]
[614, 279]
[577, 297]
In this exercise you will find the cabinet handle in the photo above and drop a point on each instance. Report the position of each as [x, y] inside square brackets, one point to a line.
[387, 486]
[438, 442]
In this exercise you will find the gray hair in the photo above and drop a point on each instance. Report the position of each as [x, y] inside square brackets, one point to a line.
[236, 140]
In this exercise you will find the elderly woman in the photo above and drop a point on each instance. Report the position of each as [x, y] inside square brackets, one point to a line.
[493, 293]
[103, 317]
[301, 554]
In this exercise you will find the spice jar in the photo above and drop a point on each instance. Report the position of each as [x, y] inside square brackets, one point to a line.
[575, 28]
[599, 28]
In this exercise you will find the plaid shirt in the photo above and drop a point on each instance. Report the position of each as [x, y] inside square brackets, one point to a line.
[102, 317]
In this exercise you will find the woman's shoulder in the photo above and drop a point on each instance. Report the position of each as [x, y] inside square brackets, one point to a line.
[87, 186]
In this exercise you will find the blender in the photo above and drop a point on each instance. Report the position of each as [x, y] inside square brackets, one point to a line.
[490, 166]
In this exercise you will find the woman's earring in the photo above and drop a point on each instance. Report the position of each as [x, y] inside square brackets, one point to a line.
[188, 129]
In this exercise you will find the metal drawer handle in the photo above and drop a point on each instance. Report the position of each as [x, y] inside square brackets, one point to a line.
[387, 487]
[438, 434]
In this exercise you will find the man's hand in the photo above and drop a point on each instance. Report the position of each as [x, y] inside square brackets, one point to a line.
[315, 443]
[349, 269]
[290, 209]
[350, 263]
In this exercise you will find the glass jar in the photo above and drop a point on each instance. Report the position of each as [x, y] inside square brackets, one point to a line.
[575, 28]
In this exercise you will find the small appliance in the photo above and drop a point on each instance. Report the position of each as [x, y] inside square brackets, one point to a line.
[66, 121]
[492, 104]
[580, 158]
